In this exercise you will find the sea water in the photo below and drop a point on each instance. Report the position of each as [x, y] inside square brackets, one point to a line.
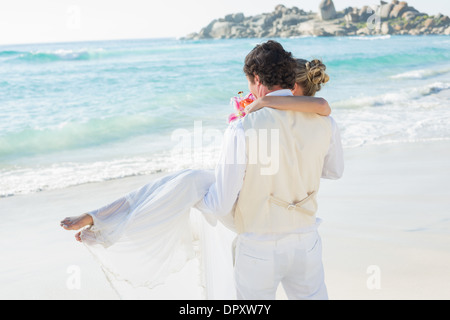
[74, 113]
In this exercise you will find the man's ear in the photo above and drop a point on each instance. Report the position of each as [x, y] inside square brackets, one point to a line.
[256, 79]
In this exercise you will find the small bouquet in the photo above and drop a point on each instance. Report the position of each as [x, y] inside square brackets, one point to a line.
[240, 103]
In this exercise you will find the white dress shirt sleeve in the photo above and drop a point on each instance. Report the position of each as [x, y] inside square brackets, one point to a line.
[333, 168]
[230, 173]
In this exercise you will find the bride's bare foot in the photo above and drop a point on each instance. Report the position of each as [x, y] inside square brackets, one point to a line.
[78, 236]
[76, 223]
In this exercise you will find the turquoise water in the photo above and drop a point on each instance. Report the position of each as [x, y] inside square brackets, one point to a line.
[74, 113]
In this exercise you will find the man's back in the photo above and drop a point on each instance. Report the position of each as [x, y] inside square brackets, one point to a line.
[276, 187]
[286, 152]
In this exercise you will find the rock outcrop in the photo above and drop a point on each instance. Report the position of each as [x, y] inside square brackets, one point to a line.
[396, 18]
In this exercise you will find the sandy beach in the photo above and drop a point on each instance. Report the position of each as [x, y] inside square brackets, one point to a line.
[386, 231]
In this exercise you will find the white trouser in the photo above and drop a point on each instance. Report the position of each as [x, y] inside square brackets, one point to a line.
[295, 261]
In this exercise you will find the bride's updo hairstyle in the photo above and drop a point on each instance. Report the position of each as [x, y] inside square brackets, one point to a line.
[311, 75]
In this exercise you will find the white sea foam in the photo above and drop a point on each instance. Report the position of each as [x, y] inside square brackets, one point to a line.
[402, 96]
[408, 115]
[23, 179]
[55, 55]
[421, 74]
[371, 38]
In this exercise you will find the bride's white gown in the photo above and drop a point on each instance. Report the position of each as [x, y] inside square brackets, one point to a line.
[153, 244]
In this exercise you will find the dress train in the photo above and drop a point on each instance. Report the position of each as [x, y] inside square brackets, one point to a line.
[154, 234]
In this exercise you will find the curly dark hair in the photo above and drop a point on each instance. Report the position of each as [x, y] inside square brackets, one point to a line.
[273, 65]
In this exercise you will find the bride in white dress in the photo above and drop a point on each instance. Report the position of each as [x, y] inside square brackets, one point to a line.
[143, 238]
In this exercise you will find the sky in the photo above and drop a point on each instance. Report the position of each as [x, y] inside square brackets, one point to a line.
[44, 21]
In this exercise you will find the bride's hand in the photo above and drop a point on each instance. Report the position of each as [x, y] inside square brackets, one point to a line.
[255, 106]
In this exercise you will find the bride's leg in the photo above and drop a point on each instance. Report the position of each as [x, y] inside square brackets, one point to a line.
[167, 203]
[117, 208]
[79, 222]
[88, 219]
[162, 199]
[174, 197]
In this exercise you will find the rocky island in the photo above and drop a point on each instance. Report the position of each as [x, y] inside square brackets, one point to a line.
[395, 18]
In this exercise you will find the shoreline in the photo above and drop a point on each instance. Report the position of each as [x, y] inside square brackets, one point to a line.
[386, 218]
[143, 178]
[180, 38]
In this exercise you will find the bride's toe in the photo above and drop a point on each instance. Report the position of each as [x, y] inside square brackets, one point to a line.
[66, 223]
[70, 224]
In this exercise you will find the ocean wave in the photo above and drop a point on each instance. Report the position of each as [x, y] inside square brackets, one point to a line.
[401, 97]
[363, 60]
[72, 135]
[434, 88]
[25, 180]
[18, 180]
[8, 53]
[82, 54]
[305, 36]
[371, 38]
[52, 56]
[421, 74]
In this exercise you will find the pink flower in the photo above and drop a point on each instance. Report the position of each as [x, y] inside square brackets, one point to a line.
[250, 96]
[232, 117]
[240, 103]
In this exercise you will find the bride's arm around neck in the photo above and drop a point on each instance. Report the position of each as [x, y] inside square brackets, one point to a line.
[293, 103]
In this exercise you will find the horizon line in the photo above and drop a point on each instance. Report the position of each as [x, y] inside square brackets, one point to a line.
[83, 41]
[180, 38]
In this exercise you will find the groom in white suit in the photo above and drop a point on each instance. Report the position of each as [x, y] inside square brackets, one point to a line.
[269, 176]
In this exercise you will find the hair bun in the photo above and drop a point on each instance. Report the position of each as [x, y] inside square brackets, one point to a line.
[315, 70]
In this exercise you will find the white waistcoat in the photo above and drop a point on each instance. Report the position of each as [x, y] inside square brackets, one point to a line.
[286, 152]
